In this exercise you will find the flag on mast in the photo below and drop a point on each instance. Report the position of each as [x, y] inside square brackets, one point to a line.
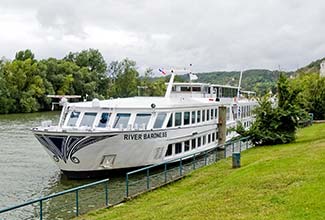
[193, 77]
[162, 71]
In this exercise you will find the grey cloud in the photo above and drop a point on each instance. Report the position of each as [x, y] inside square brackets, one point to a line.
[211, 34]
[60, 18]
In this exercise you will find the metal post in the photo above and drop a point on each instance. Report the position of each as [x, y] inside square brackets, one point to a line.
[165, 171]
[235, 160]
[222, 125]
[106, 193]
[180, 167]
[233, 147]
[127, 185]
[41, 209]
[239, 145]
[77, 203]
[148, 183]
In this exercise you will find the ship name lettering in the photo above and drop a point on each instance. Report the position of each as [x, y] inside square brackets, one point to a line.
[131, 137]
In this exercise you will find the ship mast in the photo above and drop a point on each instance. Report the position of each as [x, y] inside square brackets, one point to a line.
[239, 84]
[170, 84]
[171, 80]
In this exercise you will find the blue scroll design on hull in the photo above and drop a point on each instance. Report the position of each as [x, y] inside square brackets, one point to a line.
[64, 147]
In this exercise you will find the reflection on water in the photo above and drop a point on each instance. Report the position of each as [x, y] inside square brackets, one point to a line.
[26, 170]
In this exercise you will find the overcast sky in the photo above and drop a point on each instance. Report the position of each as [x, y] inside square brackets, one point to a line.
[210, 34]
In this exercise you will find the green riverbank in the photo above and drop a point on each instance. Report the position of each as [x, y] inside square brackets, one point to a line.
[278, 182]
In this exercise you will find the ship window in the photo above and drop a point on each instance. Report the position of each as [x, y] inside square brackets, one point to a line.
[178, 148]
[169, 151]
[141, 121]
[203, 115]
[204, 140]
[73, 118]
[185, 89]
[216, 113]
[121, 120]
[186, 145]
[103, 120]
[186, 118]
[193, 117]
[170, 121]
[196, 89]
[199, 142]
[212, 114]
[193, 143]
[160, 120]
[228, 114]
[209, 138]
[198, 116]
[208, 115]
[88, 119]
[213, 137]
[178, 118]
[241, 112]
[217, 135]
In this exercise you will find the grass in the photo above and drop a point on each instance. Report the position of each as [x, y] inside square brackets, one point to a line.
[274, 182]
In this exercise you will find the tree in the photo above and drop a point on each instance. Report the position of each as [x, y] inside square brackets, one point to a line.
[125, 80]
[91, 58]
[275, 124]
[153, 86]
[6, 102]
[91, 79]
[24, 85]
[312, 96]
[24, 55]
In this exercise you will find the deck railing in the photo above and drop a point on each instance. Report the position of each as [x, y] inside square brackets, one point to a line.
[150, 177]
[71, 205]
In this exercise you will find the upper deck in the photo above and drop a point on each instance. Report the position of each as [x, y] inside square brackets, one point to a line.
[195, 101]
[134, 103]
[205, 90]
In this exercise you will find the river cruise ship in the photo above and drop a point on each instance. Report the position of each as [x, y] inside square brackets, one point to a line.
[100, 136]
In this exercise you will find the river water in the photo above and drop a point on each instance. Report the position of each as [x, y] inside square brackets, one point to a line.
[26, 170]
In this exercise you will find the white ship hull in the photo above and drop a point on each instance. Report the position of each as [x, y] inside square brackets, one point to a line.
[129, 149]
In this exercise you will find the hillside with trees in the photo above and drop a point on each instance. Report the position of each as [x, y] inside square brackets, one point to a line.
[261, 81]
[25, 81]
[313, 67]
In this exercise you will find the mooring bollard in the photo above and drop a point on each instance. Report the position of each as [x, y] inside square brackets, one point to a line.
[236, 160]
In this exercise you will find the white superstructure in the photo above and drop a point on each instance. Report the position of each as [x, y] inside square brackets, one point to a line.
[139, 131]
